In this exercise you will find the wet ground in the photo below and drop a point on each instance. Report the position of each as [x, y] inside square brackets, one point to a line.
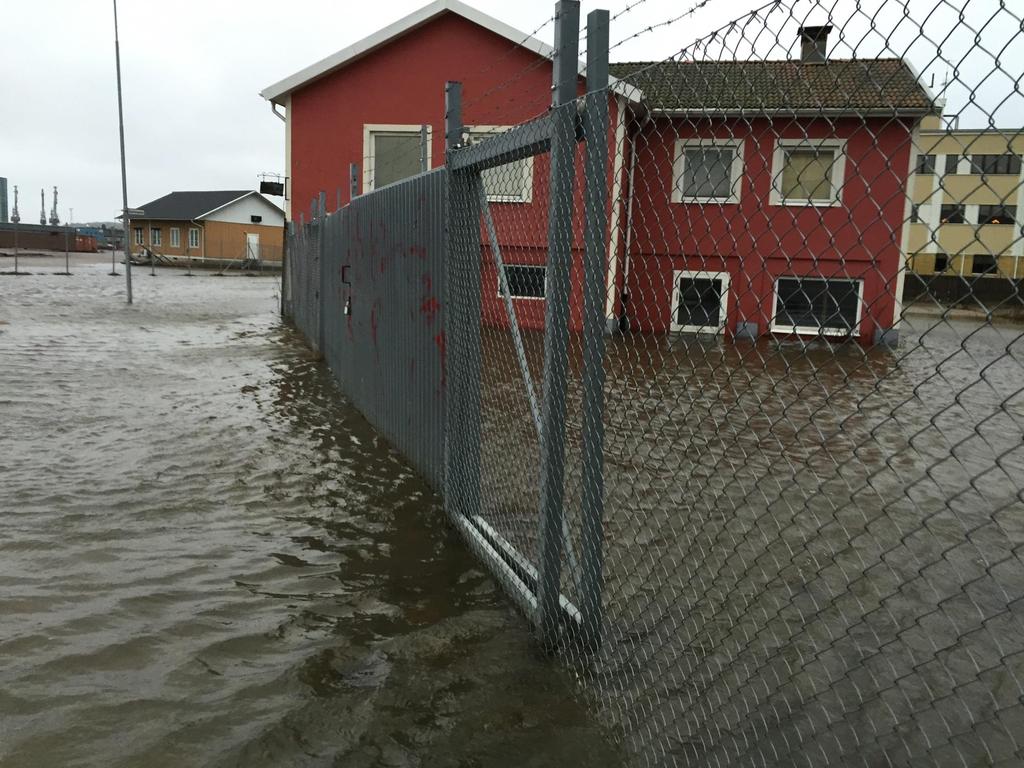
[208, 558]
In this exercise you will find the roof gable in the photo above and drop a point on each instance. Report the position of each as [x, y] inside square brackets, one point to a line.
[184, 206]
[850, 86]
[275, 93]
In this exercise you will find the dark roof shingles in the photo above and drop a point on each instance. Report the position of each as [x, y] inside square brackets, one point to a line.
[838, 85]
[183, 206]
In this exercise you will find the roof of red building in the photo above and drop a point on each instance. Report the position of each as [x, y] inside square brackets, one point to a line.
[850, 86]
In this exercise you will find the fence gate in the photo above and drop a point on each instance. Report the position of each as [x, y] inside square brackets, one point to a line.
[511, 391]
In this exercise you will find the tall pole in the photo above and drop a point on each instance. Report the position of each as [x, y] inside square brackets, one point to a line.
[126, 221]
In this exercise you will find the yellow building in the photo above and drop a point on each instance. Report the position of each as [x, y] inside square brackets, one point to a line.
[967, 202]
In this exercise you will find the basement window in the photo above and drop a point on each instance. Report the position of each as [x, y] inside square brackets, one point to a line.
[699, 301]
[525, 281]
[824, 307]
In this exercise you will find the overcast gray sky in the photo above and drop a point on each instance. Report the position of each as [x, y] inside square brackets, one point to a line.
[193, 71]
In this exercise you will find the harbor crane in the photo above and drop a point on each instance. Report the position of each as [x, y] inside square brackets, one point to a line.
[54, 217]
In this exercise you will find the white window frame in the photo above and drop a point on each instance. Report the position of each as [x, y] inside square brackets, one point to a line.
[480, 130]
[838, 176]
[800, 330]
[699, 275]
[175, 234]
[193, 242]
[140, 235]
[515, 297]
[159, 239]
[735, 171]
[369, 158]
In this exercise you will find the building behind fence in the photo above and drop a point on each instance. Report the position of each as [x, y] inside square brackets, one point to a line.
[643, 326]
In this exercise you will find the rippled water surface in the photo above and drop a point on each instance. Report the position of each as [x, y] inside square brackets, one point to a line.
[208, 558]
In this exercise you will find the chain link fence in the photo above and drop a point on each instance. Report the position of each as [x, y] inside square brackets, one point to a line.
[734, 368]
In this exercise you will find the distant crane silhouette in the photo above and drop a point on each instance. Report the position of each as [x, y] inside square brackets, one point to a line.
[42, 207]
[54, 218]
[15, 216]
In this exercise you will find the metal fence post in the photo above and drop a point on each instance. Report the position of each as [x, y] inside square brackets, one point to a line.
[462, 319]
[321, 221]
[353, 181]
[595, 201]
[424, 139]
[556, 319]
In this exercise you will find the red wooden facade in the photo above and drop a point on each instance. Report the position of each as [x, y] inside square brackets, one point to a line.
[401, 82]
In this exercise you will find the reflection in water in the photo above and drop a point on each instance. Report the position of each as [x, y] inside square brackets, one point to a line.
[207, 558]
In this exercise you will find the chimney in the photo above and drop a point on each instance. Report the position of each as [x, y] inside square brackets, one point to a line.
[814, 44]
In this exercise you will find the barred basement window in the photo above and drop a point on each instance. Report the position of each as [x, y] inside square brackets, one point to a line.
[814, 305]
[984, 265]
[997, 214]
[925, 164]
[953, 213]
[525, 281]
[996, 165]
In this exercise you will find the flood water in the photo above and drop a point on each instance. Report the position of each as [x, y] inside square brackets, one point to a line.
[208, 558]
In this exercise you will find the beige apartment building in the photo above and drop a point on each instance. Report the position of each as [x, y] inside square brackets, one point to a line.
[967, 202]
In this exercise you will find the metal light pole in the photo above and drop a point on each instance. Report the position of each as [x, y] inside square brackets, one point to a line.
[126, 222]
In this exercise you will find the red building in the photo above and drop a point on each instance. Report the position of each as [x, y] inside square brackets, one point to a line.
[748, 197]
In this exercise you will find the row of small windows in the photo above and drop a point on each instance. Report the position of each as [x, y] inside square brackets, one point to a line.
[804, 171]
[956, 213]
[802, 304]
[989, 165]
[156, 236]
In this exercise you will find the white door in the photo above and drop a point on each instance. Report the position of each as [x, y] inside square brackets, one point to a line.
[252, 246]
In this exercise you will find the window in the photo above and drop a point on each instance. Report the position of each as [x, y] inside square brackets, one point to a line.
[941, 263]
[951, 163]
[984, 265]
[138, 236]
[509, 183]
[255, 219]
[808, 172]
[175, 237]
[707, 171]
[699, 301]
[154, 236]
[925, 164]
[997, 214]
[952, 213]
[915, 213]
[391, 153]
[525, 281]
[815, 305]
[996, 164]
[193, 237]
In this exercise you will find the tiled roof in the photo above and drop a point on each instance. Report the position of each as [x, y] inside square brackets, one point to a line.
[837, 85]
[183, 206]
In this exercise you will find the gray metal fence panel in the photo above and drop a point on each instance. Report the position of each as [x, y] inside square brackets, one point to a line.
[383, 324]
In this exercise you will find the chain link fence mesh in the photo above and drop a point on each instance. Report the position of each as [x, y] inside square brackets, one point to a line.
[812, 389]
[809, 404]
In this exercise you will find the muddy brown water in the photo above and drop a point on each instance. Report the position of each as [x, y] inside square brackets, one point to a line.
[208, 558]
